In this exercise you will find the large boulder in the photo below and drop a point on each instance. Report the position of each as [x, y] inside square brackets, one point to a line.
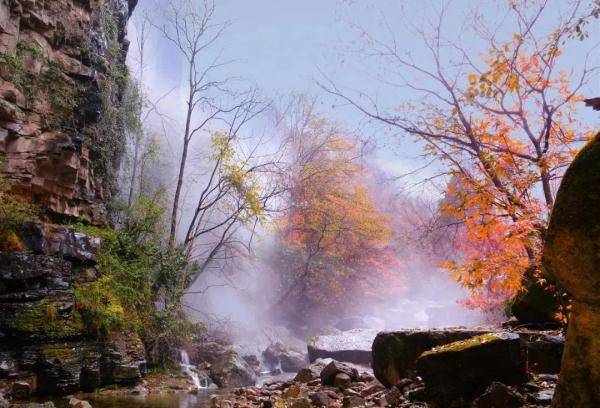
[353, 346]
[205, 351]
[292, 361]
[395, 353]
[277, 355]
[229, 370]
[464, 369]
[330, 372]
[571, 256]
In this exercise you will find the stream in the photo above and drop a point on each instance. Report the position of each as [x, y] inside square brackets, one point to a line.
[188, 368]
[176, 400]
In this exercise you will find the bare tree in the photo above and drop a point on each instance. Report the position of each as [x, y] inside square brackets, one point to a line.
[191, 28]
[239, 188]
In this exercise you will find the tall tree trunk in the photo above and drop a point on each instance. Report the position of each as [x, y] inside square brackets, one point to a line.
[186, 142]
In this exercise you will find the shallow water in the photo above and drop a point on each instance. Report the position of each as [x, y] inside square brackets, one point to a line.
[178, 400]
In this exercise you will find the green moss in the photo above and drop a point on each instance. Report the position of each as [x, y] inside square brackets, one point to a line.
[44, 320]
[463, 344]
[106, 137]
[50, 84]
[58, 352]
[106, 234]
[121, 298]
[33, 50]
[12, 63]
[59, 91]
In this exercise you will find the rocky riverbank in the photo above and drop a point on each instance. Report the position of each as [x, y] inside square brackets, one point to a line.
[336, 386]
[480, 368]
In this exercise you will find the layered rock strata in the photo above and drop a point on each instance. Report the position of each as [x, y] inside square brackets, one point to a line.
[44, 342]
[61, 68]
[56, 56]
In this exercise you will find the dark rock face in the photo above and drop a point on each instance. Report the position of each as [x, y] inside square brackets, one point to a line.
[464, 369]
[353, 346]
[395, 353]
[60, 241]
[43, 339]
[535, 305]
[292, 361]
[544, 353]
[572, 256]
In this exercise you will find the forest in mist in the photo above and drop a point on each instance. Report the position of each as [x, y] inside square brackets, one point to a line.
[424, 177]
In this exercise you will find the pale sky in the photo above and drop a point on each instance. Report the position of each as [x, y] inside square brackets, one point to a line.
[286, 46]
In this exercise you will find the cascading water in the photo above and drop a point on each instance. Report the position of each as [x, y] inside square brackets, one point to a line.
[189, 369]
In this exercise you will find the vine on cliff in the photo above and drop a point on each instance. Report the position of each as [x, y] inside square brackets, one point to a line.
[106, 136]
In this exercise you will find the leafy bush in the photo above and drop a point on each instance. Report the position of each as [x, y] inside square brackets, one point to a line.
[121, 297]
[140, 284]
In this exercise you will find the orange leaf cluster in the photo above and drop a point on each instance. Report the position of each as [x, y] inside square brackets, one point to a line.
[336, 241]
[507, 143]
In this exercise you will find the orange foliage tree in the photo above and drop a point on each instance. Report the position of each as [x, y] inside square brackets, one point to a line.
[335, 241]
[505, 127]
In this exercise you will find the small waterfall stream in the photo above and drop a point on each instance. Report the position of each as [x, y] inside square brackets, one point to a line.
[189, 369]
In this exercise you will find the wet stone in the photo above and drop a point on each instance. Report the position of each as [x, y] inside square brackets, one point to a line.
[498, 395]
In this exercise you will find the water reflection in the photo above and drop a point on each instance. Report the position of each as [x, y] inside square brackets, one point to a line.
[178, 400]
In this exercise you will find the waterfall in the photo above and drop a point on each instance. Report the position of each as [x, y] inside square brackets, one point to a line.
[189, 369]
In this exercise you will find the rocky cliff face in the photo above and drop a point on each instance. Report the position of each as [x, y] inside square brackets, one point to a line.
[61, 70]
[56, 59]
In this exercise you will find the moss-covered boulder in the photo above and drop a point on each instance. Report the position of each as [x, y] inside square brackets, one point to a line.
[395, 353]
[572, 256]
[462, 370]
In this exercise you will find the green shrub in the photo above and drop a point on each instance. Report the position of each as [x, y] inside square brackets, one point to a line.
[140, 284]
[121, 297]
